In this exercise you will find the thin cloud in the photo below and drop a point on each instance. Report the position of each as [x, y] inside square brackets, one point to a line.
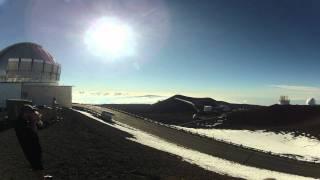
[148, 96]
[118, 94]
[100, 97]
[307, 89]
[96, 93]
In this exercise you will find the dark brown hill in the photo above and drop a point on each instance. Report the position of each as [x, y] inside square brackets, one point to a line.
[276, 115]
[173, 105]
[173, 111]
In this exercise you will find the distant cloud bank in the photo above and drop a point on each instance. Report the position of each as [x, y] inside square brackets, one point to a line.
[94, 97]
[148, 96]
[309, 89]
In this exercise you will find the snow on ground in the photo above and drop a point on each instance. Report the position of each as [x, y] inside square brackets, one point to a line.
[284, 144]
[205, 161]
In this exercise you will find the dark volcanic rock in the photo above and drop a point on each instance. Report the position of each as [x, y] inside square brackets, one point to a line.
[81, 148]
[172, 105]
[293, 118]
[276, 115]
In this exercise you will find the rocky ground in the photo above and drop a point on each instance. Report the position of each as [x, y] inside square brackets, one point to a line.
[80, 148]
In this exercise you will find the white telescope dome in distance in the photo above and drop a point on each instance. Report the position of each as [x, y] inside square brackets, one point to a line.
[311, 102]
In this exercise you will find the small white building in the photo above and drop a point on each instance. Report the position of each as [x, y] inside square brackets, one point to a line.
[29, 72]
[207, 108]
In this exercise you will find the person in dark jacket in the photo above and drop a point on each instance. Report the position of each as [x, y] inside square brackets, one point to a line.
[26, 131]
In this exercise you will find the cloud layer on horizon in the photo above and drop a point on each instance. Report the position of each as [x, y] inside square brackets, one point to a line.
[94, 97]
[303, 89]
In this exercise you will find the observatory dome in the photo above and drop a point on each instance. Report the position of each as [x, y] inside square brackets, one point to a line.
[311, 102]
[28, 62]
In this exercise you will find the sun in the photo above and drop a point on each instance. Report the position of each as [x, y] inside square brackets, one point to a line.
[111, 38]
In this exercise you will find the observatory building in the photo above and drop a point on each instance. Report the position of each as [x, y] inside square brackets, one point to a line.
[311, 102]
[284, 100]
[27, 71]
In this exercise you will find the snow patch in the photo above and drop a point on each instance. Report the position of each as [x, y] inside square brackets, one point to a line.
[284, 144]
[202, 160]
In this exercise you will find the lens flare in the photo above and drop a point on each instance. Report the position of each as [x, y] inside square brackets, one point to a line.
[110, 38]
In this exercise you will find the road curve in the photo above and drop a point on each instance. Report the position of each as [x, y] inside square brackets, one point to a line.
[216, 148]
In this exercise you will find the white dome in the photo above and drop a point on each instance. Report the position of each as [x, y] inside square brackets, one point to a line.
[311, 102]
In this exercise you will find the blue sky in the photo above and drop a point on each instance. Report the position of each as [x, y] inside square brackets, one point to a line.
[242, 51]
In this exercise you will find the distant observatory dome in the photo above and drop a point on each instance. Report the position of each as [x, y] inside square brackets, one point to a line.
[311, 102]
[28, 62]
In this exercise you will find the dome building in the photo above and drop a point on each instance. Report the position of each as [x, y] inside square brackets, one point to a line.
[27, 71]
[28, 62]
[311, 102]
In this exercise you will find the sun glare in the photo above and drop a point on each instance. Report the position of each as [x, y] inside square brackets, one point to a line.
[110, 38]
